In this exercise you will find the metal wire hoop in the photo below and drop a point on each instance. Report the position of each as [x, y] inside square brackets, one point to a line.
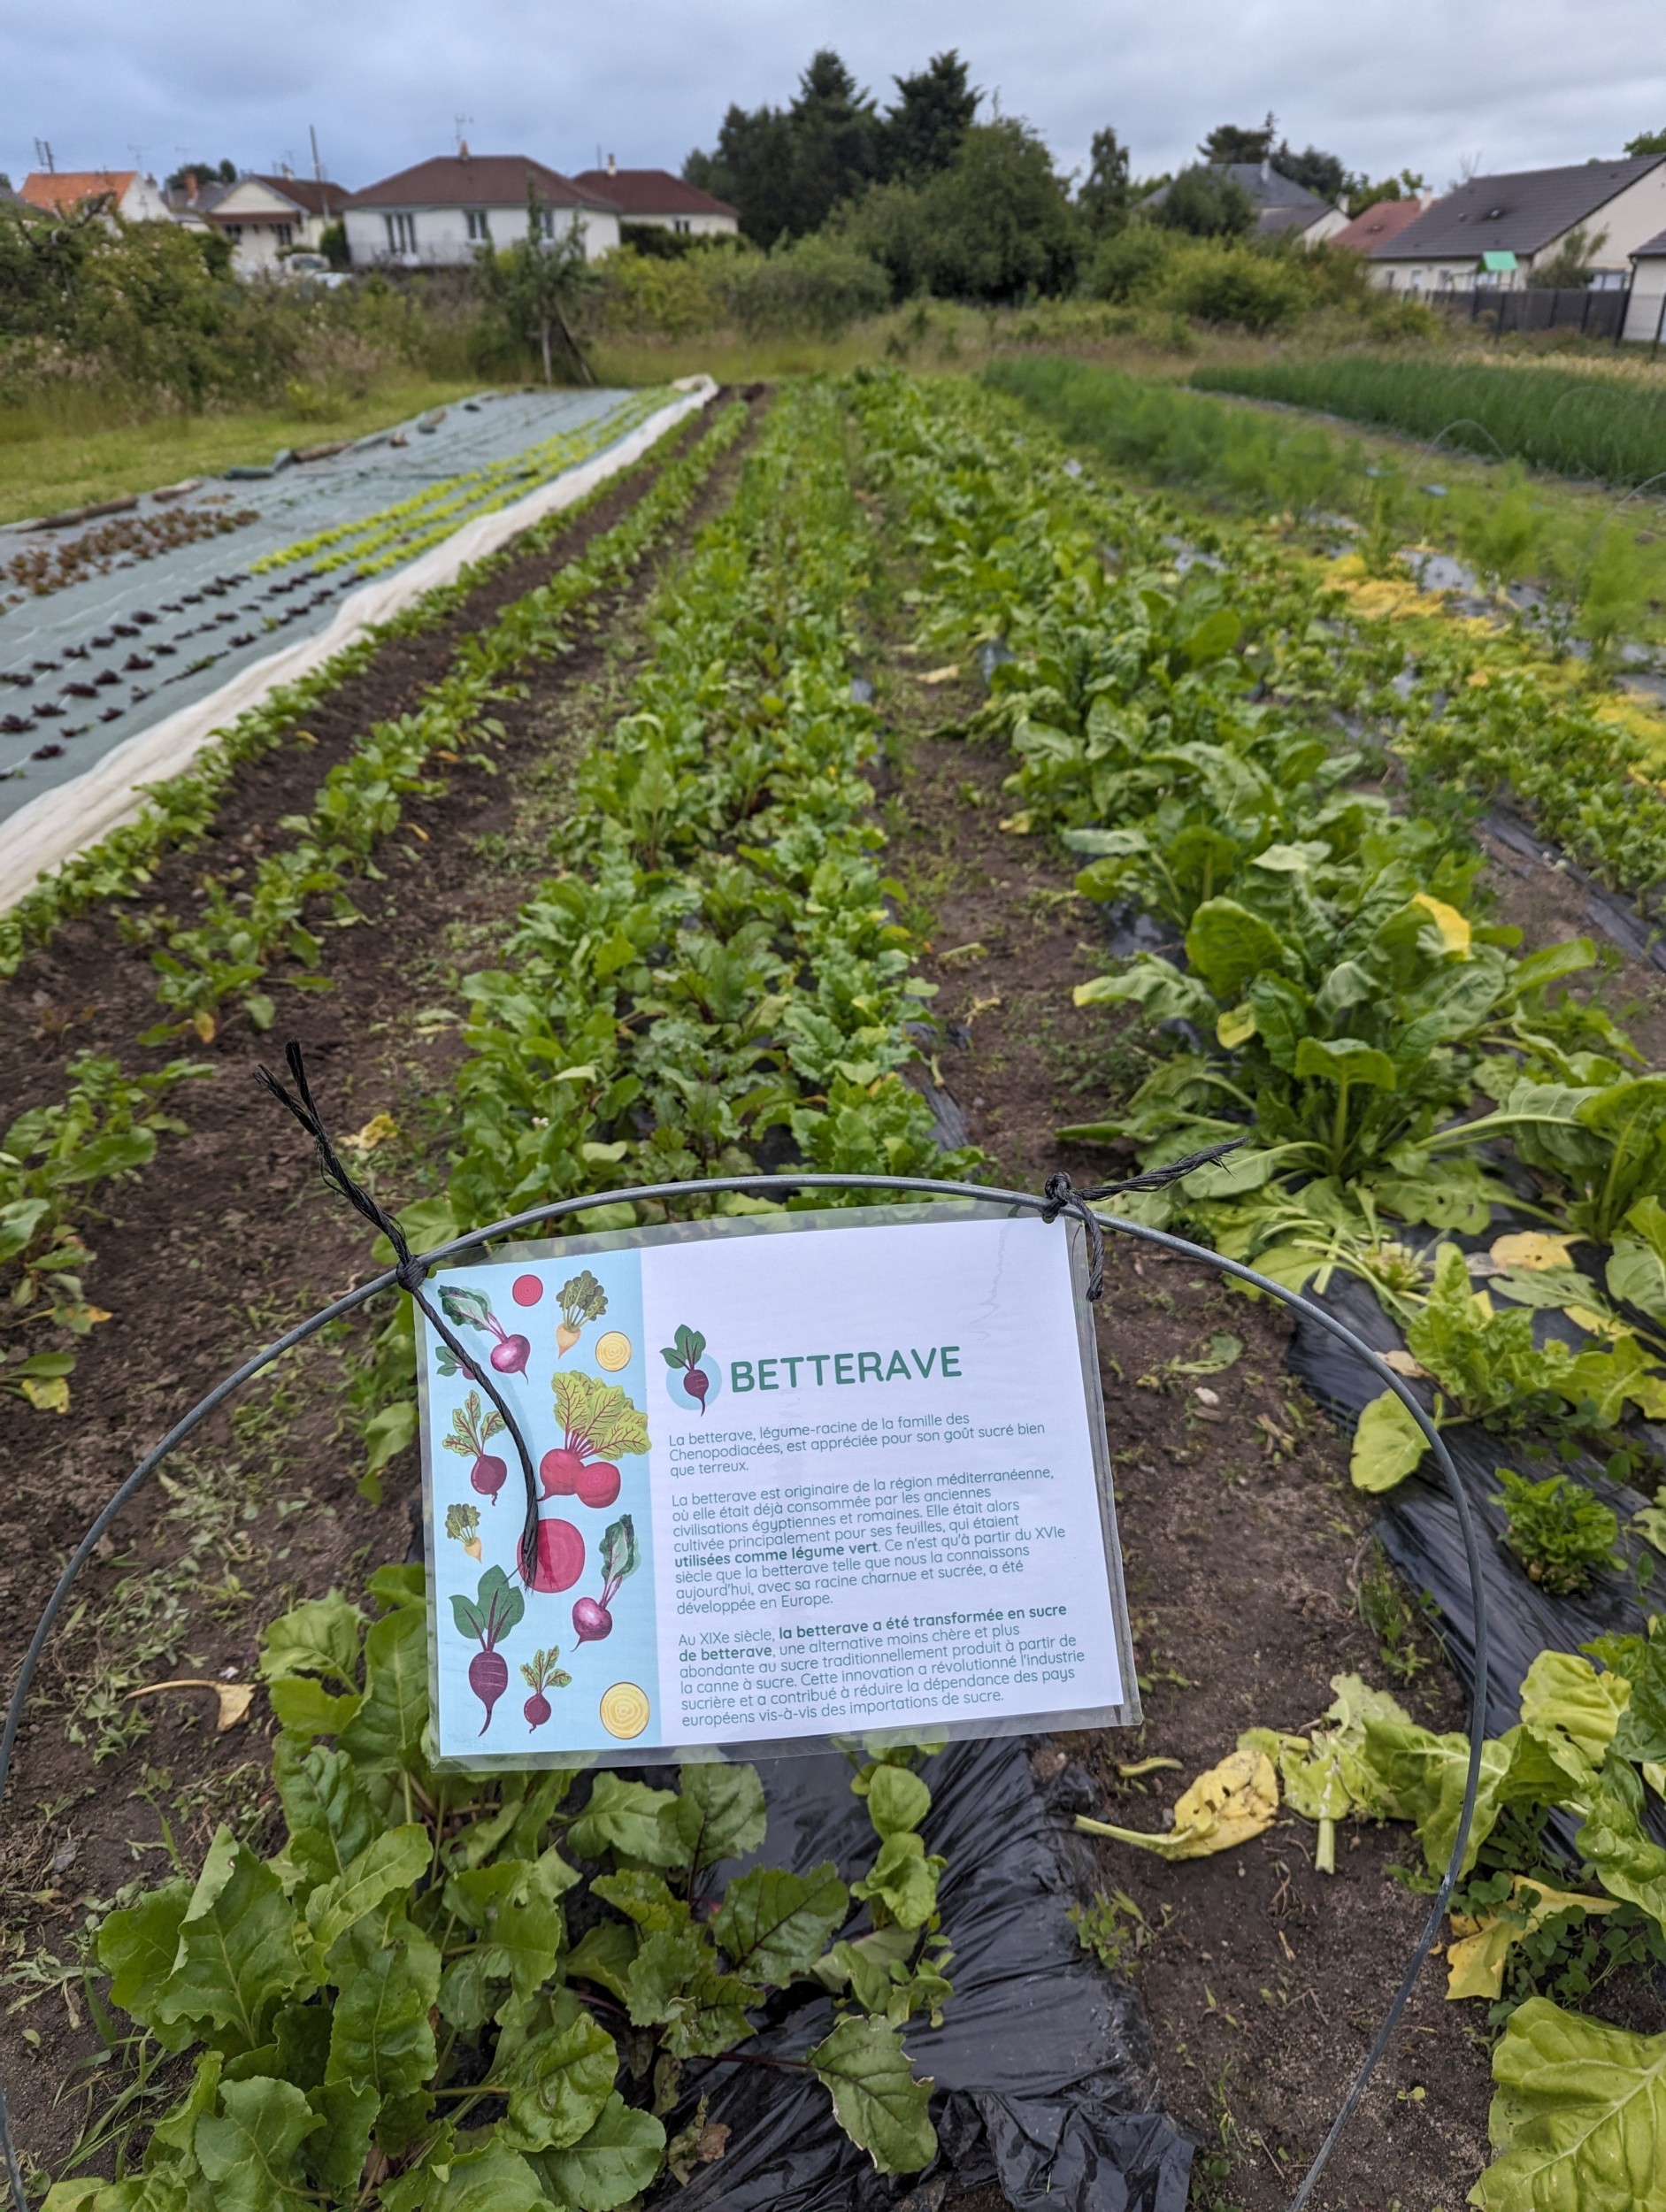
[784, 1185]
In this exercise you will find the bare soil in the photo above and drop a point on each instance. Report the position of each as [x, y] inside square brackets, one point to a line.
[1244, 1544]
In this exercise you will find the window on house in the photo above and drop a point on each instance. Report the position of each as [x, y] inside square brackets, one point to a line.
[681, 223]
[480, 225]
[285, 234]
[402, 232]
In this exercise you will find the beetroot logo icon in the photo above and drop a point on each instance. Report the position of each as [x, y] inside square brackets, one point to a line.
[692, 1383]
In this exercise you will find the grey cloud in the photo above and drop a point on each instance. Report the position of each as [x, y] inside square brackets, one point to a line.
[1522, 83]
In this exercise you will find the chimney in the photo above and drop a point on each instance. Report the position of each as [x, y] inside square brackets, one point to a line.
[463, 150]
[1266, 168]
[613, 167]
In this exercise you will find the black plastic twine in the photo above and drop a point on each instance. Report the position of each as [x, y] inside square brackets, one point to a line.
[410, 1272]
[1061, 1196]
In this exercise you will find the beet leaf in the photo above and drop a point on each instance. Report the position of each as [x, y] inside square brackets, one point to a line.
[598, 1420]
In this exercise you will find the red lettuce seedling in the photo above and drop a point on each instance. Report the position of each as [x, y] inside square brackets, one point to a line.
[468, 1437]
[496, 1608]
[560, 1556]
[599, 1424]
[542, 1674]
[686, 1353]
[473, 1309]
[591, 1618]
[582, 1299]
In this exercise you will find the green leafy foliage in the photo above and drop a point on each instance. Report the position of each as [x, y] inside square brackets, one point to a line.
[1561, 1533]
[388, 2010]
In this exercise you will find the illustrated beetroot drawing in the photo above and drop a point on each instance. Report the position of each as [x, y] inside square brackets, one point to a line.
[560, 1556]
[471, 1425]
[582, 1299]
[599, 1426]
[496, 1608]
[473, 1309]
[541, 1673]
[592, 1619]
[686, 1353]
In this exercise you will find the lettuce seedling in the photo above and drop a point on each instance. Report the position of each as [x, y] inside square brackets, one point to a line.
[1561, 1533]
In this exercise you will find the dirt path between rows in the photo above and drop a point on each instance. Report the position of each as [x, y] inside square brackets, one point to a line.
[1245, 1547]
[226, 1239]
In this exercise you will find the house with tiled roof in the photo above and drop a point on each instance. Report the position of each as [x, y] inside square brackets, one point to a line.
[1494, 232]
[439, 213]
[1382, 222]
[656, 196]
[135, 197]
[266, 219]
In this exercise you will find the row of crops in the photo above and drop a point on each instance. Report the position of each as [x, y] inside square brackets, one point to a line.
[1583, 574]
[402, 1960]
[713, 980]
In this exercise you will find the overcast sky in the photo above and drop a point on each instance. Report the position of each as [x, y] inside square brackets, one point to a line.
[1426, 83]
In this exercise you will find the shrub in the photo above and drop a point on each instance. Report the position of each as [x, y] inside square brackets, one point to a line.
[816, 286]
[1206, 203]
[1126, 265]
[654, 295]
[1215, 281]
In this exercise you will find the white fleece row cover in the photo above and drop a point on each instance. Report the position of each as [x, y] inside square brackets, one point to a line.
[51, 827]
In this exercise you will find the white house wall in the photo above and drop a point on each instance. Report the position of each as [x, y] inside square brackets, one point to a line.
[443, 239]
[693, 225]
[1630, 219]
[1645, 312]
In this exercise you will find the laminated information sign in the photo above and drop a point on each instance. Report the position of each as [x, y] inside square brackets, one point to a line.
[800, 1476]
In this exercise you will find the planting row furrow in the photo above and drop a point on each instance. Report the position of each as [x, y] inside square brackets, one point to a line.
[1401, 1079]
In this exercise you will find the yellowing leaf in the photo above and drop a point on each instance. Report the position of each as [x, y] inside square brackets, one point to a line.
[376, 1131]
[1236, 1026]
[940, 675]
[1234, 1802]
[1017, 825]
[1533, 1250]
[1097, 992]
[1454, 930]
[51, 1396]
[1475, 1960]
[235, 1697]
[1595, 1324]
[1406, 1364]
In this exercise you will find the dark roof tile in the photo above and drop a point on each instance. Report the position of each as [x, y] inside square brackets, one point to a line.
[1521, 213]
[476, 180]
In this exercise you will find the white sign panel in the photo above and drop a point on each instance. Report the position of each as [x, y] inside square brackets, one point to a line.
[800, 1476]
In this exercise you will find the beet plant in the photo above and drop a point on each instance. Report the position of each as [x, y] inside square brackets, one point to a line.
[600, 1426]
[685, 1354]
[473, 1309]
[592, 1619]
[419, 2001]
[462, 1526]
[496, 1607]
[541, 1673]
[471, 1429]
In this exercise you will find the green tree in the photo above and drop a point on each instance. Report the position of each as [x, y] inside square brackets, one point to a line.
[785, 169]
[1314, 172]
[1207, 203]
[529, 287]
[926, 124]
[1229, 141]
[1408, 185]
[1102, 202]
[1569, 266]
[996, 226]
[1646, 142]
[205, 172]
